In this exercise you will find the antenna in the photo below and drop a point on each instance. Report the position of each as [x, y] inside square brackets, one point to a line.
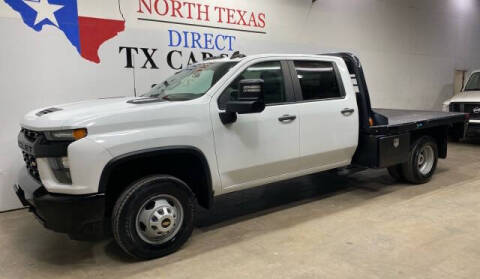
[134, 78]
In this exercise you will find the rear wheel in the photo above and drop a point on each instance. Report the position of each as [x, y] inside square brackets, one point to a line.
[396, 172]
[153, 217]
[422, 161]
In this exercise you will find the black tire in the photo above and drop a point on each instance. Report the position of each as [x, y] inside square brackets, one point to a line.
[129, 204]
[454, 138]
[396, 172]
[411, 170]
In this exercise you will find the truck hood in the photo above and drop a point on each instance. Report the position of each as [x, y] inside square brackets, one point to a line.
[72, 115]
[466, 97]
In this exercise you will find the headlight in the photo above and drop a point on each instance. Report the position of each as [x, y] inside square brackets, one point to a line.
[66, 135]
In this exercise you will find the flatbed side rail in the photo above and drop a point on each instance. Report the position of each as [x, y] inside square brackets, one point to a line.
[448, 121]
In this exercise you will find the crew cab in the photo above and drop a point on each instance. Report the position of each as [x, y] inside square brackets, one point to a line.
[139, 165]
[468, 101]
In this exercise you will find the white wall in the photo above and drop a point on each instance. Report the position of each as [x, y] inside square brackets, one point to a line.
[409, 49]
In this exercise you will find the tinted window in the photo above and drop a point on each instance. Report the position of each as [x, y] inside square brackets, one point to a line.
[318, 80]
[270, 72]
[473, 83]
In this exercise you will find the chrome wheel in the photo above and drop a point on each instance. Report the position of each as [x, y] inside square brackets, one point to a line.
[159, 219]
[426, 160]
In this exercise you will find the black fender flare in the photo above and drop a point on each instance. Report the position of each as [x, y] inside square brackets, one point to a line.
[156, 152]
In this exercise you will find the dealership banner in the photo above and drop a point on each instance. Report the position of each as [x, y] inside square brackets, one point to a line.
[148, 39]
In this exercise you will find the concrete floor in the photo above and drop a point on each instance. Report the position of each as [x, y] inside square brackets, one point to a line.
[320, 226]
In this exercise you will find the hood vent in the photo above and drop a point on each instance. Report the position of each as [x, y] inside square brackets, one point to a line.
[47, 111]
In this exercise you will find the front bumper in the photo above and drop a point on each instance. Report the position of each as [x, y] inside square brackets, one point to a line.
[77, 215]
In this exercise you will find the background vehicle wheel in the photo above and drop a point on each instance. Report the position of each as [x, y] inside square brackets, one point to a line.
[422, 161]
[153, 217]
[396, 172]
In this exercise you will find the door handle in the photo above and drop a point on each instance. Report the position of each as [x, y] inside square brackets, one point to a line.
[348, 111]
[287, 118]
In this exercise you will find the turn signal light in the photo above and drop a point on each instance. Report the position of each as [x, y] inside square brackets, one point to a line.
[79, 133]
[370, 121]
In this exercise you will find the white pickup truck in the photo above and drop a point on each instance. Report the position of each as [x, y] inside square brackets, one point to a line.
[138, 166]
[468, 101]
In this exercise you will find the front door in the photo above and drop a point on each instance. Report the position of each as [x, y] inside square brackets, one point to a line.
[260, 147]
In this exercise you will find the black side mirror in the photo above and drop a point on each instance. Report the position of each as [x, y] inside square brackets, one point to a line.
[250, 90]
[249, 99]
[153, 85]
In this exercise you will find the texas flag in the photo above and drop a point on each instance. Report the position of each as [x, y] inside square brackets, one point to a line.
[76, 19]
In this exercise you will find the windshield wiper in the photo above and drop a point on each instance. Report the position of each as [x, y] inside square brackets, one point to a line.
[169, 98]
[180, 97]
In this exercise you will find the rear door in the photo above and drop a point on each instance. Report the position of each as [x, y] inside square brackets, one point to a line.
[328, 114]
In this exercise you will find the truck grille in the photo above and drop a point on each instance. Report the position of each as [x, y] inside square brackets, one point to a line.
[30, 161]
[472, 108]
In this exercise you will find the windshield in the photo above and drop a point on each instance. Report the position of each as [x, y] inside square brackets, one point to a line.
[191, 82]
[473, 83]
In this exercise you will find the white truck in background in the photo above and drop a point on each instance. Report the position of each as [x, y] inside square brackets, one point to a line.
[138, 166]
[468, 101]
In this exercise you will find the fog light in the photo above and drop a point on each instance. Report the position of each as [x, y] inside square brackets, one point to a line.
[64, 162]
[61, 169]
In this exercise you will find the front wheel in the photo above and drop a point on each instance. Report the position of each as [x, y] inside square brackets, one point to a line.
[153, 217]
[454, 138]
[422, 161]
